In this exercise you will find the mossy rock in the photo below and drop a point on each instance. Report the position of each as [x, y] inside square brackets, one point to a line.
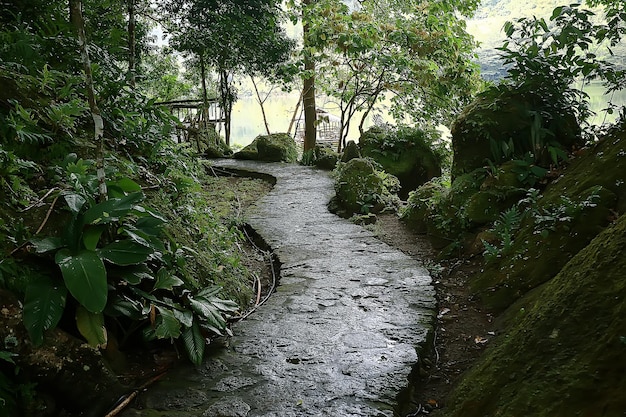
[464, 186]
[404, 153]
[507, 175]
[217, 148]
[486, 206]
[596, 181]
[420, 205]
[564, 352]
[602, 164]
[358, 187]
[250, 152]
[325, 157]
[440, 212]
[278, 147]
[351, 151]
[504, 114]
[539, 251]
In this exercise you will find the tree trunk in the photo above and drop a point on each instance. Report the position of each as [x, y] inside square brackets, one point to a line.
[262, 104]
[227, 98]
[295, 114]
[205, 97]
[131, 43]
[308, 92]
[76, 16]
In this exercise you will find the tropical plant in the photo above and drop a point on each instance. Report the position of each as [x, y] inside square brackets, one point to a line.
[504, 229]
[115, 263]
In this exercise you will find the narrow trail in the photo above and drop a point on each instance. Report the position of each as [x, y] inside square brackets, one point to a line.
[341, 333]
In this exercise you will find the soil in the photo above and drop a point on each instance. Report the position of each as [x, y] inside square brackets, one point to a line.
[463, 328]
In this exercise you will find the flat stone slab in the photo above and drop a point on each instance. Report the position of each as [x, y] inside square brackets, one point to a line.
[340, 335]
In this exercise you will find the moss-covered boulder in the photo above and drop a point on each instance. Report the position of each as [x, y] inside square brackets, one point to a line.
[420, 205]
[217, 148]
[485, 206]
[405, 153]
[249, 152]
[325, 157]
[561, 221]
[351, 151]
[440, 211]
[277, 147]
[361, 189]
[506, 118]
[564, 352]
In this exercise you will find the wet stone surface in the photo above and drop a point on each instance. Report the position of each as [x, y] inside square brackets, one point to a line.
[338, 338]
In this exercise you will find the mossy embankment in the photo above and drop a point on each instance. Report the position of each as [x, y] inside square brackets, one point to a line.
[560, 289]
[552, 276]
[563, 350]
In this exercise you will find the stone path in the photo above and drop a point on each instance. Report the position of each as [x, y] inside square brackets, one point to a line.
[338, 338]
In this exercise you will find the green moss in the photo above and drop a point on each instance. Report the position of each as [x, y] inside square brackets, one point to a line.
[564, 354]
[504, 115]
[250, 152]
[553, 232]
[603, 164]
[420, 205]
[325, 157]
[404, 153]
[277, 147]
[361, 188]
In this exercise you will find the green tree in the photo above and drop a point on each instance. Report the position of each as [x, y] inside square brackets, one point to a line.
[231, 37]
[416, 54]
[555, 58]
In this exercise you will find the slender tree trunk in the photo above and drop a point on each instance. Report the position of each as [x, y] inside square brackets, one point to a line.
[295, 114]
[205, 97]
[226, 97]
[131, 43]
[76, 16]
[262, 104]
[370, 103]
[205, 101]
[308, 92]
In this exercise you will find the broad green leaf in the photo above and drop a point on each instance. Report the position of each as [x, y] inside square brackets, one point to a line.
[224, 305]
[127, 185]
[112, 209]
[43, 307]
[209, 312]
[91, 237]
[123, 306]
[133, 274]
[209, 291]
[47, 244]
[143, 238]
[75, 202]
[194, 343]
[150, 214]
[184, 316]
[166, 281]
[149, 225]
[7, 356]
[167, 325]
[125, 252]
[85, 277]
[91, 326]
